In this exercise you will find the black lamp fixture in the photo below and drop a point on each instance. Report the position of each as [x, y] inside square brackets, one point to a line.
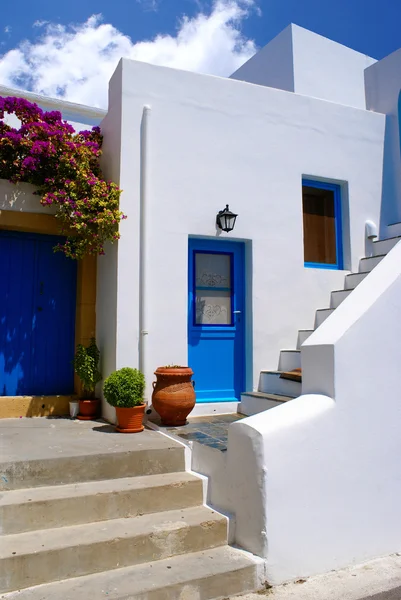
[226, 219]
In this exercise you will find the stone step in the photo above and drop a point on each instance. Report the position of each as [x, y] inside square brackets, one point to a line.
[368, 264]
[270, 382]
[289, 360]
[29, 559]
[253, 403]
[211, 574]
[303, 335]
[354, 279]
[163, 456]
[321, 315]
[384, 246]
[337, 297]
[75, 504]
[394, 229]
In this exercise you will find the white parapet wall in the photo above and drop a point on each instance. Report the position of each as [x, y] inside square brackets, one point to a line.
[316, 483]
[20, 197]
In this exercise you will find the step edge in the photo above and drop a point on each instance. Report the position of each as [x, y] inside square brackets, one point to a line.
[267, 396]
[224, 553]
[175, 476]
[74, 530]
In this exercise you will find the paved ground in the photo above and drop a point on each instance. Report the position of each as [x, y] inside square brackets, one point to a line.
[210, 431]
[379, 579]
[52, 437]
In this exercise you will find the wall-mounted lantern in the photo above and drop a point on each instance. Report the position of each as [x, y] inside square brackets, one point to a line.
[226, 219]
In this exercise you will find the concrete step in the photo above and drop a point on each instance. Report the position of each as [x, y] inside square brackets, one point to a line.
[303, 335]
[354, 279]
[211, 574]
[289, 360]
[384, 246]
[321, 315]
[253, 403]
[65, 505]
[161, 457]
[270, 382]
[29, 559]
[394, 230]
[368, 264]
[338, 296]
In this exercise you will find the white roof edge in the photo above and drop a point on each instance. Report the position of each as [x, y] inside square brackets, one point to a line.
[55, 103]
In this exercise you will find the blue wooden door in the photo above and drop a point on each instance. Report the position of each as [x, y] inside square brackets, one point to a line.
[37, 316]
[216, 320]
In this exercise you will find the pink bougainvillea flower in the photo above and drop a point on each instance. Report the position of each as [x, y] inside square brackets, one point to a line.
[64, 166]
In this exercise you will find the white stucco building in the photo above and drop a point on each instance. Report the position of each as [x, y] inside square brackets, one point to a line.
[303, 144]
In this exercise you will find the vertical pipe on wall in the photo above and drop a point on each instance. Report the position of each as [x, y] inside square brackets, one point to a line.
[143, 242]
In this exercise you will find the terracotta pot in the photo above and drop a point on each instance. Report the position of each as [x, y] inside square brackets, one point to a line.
[173, 394]
[89, 409]
[130, 419]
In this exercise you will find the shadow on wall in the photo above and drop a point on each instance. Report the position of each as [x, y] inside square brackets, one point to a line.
[389, 212]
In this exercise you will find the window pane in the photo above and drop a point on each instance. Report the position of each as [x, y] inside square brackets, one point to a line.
[319, 225]
[213, 307]
[213, 270]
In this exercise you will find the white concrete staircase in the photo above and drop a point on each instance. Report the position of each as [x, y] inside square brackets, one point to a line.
[274, 389]
[116, 525]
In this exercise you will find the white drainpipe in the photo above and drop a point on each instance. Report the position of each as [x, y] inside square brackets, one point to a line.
[143, 243]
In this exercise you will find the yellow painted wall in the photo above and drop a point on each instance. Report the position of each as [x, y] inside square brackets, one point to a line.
[85, 320]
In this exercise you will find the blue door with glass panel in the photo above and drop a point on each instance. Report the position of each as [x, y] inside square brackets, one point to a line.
[216, 319]
[37, 316]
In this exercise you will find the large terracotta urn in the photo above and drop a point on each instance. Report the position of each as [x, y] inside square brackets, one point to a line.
[173, 394]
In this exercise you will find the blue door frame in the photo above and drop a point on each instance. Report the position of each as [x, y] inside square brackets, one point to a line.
[216, 351]
[37, 316]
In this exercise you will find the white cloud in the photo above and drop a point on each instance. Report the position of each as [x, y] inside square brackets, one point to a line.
[75, 62]
[7, 29]
[151, 5]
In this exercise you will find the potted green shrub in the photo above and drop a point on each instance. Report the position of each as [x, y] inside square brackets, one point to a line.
[124, 390]
[86, 366]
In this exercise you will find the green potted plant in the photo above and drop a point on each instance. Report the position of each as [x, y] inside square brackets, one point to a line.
[124, 390]
[86, 366]
[173, 394]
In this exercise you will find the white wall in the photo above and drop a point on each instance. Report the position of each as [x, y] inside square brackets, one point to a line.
[107, 265]
[328, 70]
[383, 85]
[271, 66]
[304, 62]
[215, 141]
[20, 197]
[320, 477]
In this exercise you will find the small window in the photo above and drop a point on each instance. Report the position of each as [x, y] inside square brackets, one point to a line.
[321, 203]
[213, 288]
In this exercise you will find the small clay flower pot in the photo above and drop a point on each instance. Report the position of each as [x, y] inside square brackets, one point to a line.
[130, 419]
[89, 409]
[173, 394]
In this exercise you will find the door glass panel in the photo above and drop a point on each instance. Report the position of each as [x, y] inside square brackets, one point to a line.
[213, 304]
[213, 307]
[213, 270]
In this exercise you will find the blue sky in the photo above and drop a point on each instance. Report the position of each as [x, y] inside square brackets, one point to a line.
[217, 38]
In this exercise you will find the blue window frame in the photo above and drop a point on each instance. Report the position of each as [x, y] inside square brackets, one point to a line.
[321, 203]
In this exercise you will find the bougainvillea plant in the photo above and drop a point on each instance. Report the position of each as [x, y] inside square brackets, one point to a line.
[63, 164]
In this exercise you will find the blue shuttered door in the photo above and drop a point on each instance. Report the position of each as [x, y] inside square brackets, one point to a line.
[37, 316]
